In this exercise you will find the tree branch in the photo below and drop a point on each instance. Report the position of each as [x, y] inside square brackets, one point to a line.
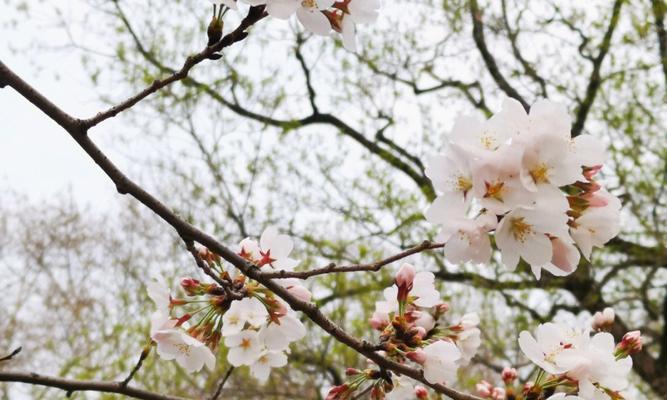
[255, 14]
[594, 81]
[332, 268]
[70, 385]
[489, 60]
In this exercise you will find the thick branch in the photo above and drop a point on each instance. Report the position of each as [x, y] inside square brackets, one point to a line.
[594, 81]
[70, 385]
[489, 60]
[659, 9]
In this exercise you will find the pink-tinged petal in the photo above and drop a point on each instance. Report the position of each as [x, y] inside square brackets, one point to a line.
[314, 21]
[282, 9]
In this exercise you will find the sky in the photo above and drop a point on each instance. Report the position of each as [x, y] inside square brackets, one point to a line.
[37, 157]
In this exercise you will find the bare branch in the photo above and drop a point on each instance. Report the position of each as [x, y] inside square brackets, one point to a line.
[222, 384]
[594, 81]
[489, 60]
[11, 355]
[332, 268]
[255, 14]
[71, 386]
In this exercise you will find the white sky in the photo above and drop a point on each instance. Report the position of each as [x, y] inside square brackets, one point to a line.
[37, 157]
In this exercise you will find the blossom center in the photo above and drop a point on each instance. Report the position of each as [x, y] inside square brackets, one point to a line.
[183, 349]
[312, 4]
[520, 229]
[246, 344]
[494, 190]
[487, 141]
[463, 184]
[540, 173]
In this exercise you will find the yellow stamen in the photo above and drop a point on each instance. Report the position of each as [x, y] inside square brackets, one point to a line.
[540, 173]
[520, 229]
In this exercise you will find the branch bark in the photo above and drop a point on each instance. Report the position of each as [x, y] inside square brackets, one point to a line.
[70, 385]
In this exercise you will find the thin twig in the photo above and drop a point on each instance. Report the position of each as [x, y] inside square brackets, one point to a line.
[12, 354]
[144, 354]
[332, 268]
[222, 383]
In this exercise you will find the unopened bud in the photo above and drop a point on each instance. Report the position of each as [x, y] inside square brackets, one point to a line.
[603, 321]
[191, 286]
[417, 356]
[484, 389]
[630, 344]
[509, 375]
[421, 392]
[352, 371]
[590, 172]
[337, 392]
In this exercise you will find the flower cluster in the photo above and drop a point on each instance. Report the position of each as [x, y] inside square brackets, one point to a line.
[411, 331]
[572, 361]
[255, 325]
[523, 178]
[318, 16]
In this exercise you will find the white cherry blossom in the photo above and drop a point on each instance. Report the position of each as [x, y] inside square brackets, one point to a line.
[593, 360]
[247, 310]
[261, 368]
[550, 341]
[404, 389]
[278, 336]
[424, 291]
[189, 353]
[245, 348]
[597, 225]
[441, 362]
[522, 233]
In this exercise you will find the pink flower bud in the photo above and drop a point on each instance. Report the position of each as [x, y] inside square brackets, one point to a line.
[190, 286]
[509, 375]
[498, 393]
[484, 389]
[421, 392]
[603, 321]
[337, 392]
[405, 277]
[420, 332]
[352, 371]
[590, 172]
[417, 356]
[630, 344]
[595, 200]
[442, 308]
[300, 292]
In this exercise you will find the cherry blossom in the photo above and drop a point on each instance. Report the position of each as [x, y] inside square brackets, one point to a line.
[404, 389]
[441, 362]
[273, 249]
[593, 360]
[246, 310]
[245, 348]
[278, 335]
[550, 341]
[261, 368]
[597, 225]
[189, 353]
[603, 320]
[522, 233]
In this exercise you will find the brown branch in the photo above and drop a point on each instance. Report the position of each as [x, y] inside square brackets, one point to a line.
[594, 81]
[144, 354]
[222, 384]
[659, 9]
[332, 268]
[70, 385]
[489, 60]
[255, 14]
[11, 355]
[190, 234]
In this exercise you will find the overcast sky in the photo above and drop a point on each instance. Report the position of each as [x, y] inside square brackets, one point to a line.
[37, 157]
